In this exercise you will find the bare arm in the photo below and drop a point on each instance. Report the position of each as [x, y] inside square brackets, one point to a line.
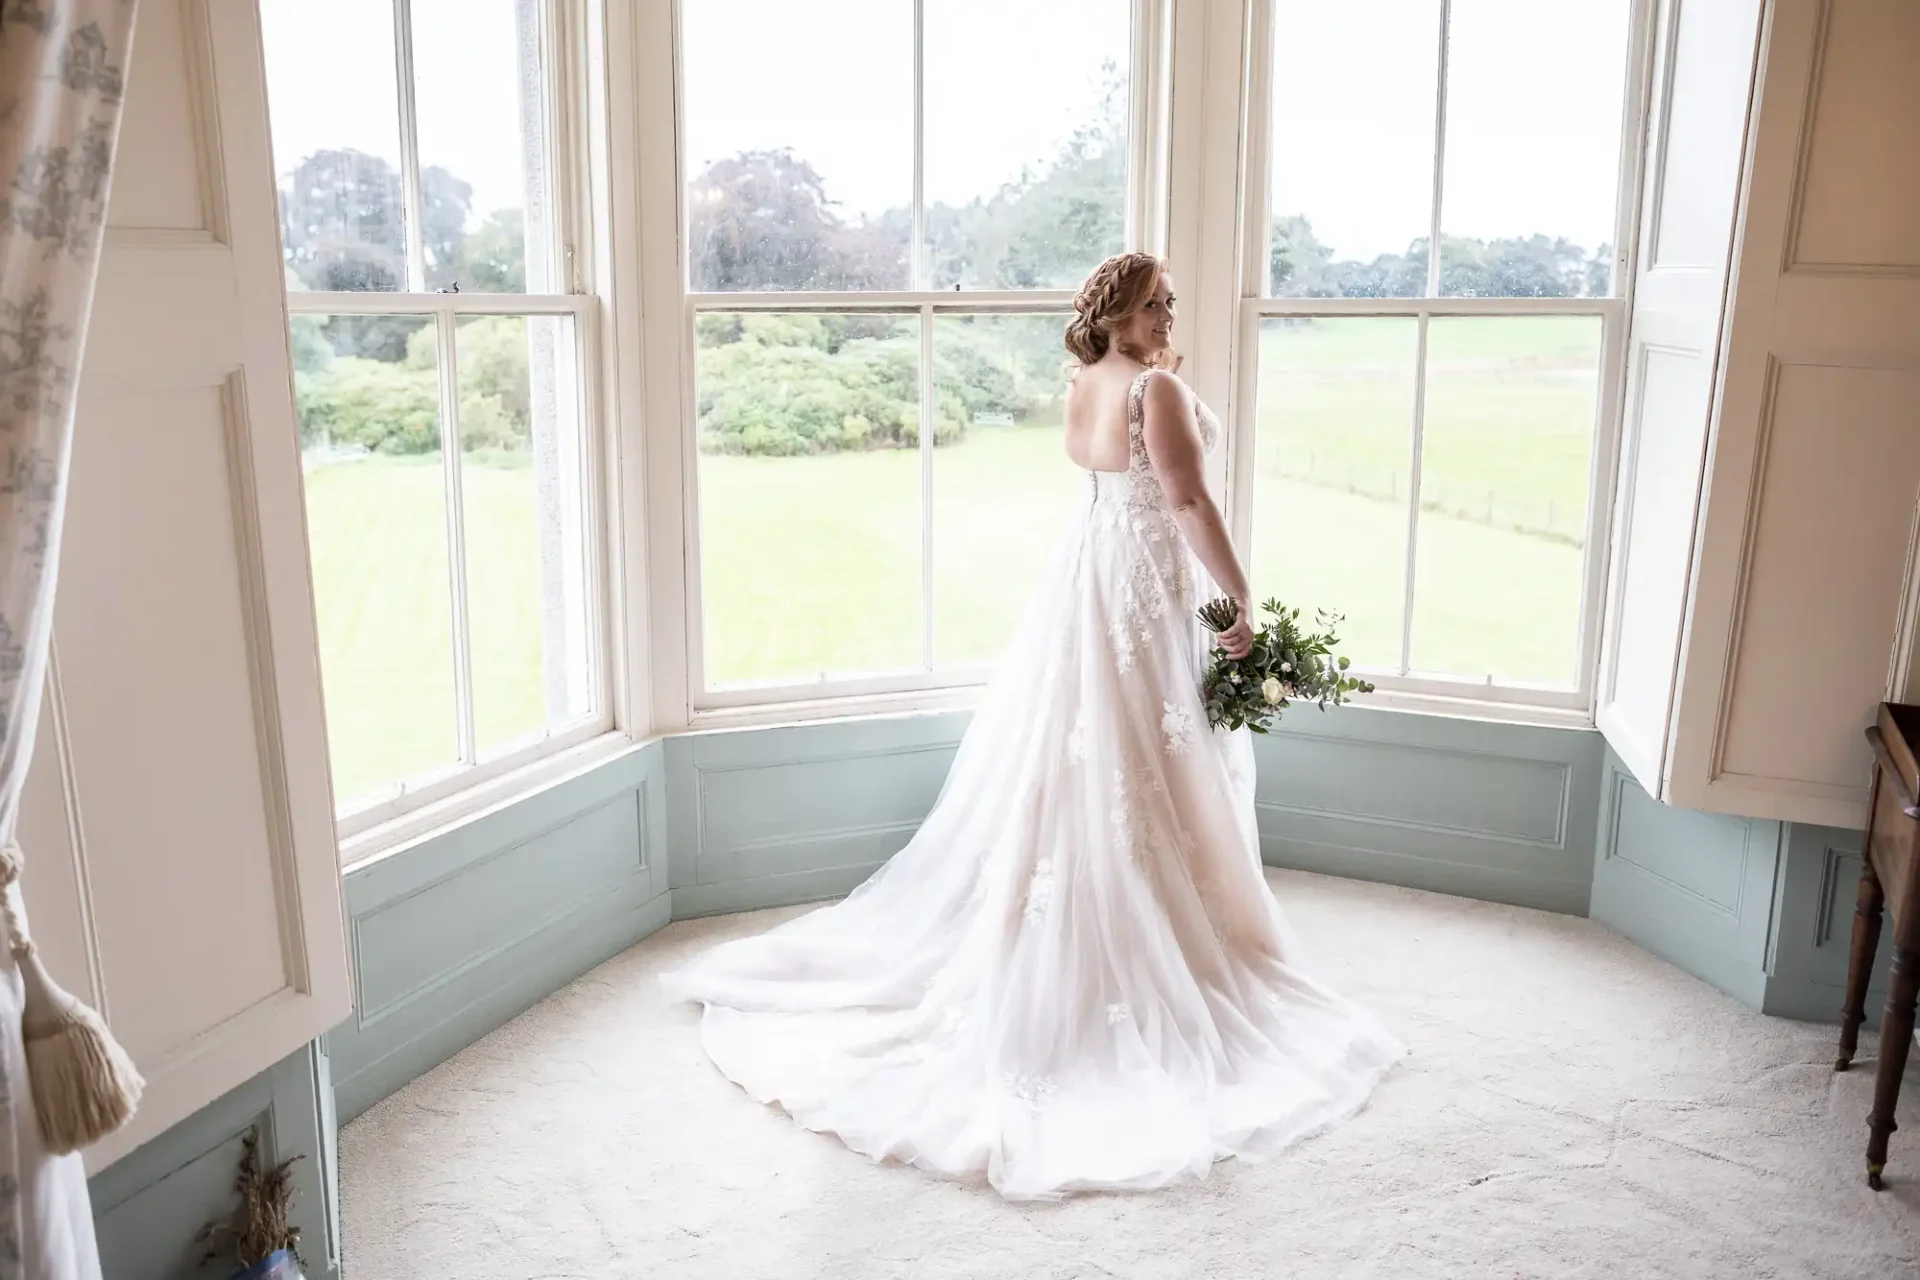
[1179, 460]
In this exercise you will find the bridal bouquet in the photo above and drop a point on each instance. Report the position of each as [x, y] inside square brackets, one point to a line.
[1285, 663]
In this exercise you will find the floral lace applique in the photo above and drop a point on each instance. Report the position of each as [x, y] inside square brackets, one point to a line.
[1039, 891]
[1077, 742]
[1120, 813]
[1121, 636]
[1118, 1013]
[1028, 1089]
[1177, 724]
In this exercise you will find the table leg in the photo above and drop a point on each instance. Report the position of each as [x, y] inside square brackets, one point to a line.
[1896, 1038]
[1866, 941]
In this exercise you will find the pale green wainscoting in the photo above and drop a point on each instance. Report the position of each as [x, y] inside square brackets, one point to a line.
[456, 934]
[1496, 811]
[149, 1207]
[1762, 910]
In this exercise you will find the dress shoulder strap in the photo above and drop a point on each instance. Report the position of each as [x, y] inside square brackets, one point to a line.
[1137, 409]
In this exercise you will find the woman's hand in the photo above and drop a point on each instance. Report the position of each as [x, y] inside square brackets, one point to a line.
[1237, 639]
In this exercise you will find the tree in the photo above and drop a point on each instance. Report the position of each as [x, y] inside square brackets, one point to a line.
[342, 218]
[445, 205]
[1600, 272]
[762, 220]
[495, 258]
[1296, 260]
[1300, 266]
[1052, 225]
[1533, 267]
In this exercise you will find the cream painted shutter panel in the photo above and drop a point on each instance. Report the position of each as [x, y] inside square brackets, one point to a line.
[181, 864]
[1804, 613]
[1704, 63]
[1764, 594]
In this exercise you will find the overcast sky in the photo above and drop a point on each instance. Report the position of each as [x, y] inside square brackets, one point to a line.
[1533, 109]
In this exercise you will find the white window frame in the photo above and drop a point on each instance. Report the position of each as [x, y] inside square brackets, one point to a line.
[455, 791]
[1402, 686]
[924, 686]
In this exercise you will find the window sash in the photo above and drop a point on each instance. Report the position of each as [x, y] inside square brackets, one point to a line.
[413, 203]
[707, 699]
[1145, 217]
[1404, 679]
[1404, 686]
[1258, 191]
[371, 825]
[469, 770]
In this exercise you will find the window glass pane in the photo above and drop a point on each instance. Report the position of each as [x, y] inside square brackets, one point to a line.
[520, 489]
[478, 96]
[1003, 489]
[337, 154]
[1355, 89]
[799, 143]
[1026, 169]
[1332, 451]
[810, 530]
[369, 401]
[1507, 450]
[1534, 99]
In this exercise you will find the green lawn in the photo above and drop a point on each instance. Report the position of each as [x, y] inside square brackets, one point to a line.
[378, 534]
[812, 565]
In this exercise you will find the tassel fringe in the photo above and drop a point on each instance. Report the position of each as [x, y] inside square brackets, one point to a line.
[84, 1084]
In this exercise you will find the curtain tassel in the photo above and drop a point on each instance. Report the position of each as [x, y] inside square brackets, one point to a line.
[84, 1084]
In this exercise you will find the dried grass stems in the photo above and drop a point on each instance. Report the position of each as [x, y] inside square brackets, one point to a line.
[260, 1229]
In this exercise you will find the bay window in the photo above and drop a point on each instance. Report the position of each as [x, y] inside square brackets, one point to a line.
[838, 244]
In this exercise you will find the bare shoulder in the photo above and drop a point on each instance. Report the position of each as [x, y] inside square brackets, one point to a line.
[1166, 399]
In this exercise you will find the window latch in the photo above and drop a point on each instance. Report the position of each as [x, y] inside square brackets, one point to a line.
[452, 288]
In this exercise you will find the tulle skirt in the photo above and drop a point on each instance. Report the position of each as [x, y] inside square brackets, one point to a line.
[1074, 977]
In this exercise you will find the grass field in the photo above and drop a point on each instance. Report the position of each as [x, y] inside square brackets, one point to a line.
[812, 565]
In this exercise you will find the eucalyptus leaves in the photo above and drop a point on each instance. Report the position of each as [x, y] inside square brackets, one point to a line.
[1286, 664]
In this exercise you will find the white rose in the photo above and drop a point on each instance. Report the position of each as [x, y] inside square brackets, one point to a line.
[1286, 666]
[1270, 690]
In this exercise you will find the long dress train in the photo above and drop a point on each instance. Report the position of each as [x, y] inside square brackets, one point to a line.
[1074, 977]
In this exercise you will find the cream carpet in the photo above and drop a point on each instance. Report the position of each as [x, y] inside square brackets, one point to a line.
[1572, 1107]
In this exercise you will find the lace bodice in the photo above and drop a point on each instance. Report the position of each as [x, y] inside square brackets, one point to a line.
[1137, 488]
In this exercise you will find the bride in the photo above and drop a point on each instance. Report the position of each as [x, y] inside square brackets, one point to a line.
[1074, 976]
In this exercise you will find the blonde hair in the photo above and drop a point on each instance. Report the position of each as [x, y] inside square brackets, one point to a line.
[1117, 288]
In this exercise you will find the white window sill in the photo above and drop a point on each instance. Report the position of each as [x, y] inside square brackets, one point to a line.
[494, 794]
[771, 715]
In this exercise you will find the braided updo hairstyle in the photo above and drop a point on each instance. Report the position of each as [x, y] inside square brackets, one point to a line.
[1117, 288]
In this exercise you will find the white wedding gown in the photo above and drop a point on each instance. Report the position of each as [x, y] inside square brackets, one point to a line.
[1074, 977]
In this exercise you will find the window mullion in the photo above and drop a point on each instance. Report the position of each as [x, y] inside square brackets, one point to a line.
[410, 199]
[449, 361]
[926, 486]
[1413, 496]
[917, 256]
[1439, 158]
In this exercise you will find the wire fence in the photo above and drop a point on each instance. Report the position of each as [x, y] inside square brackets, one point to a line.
[1541, 518]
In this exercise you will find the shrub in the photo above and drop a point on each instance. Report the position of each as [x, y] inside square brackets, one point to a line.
[388, 407]
[757, 397]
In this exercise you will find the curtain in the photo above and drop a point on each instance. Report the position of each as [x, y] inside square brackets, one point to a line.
[62, 72]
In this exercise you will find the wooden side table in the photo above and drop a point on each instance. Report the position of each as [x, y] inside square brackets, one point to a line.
[1889, 879]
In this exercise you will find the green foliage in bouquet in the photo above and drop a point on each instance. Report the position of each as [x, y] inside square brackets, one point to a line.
[1286, 664]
